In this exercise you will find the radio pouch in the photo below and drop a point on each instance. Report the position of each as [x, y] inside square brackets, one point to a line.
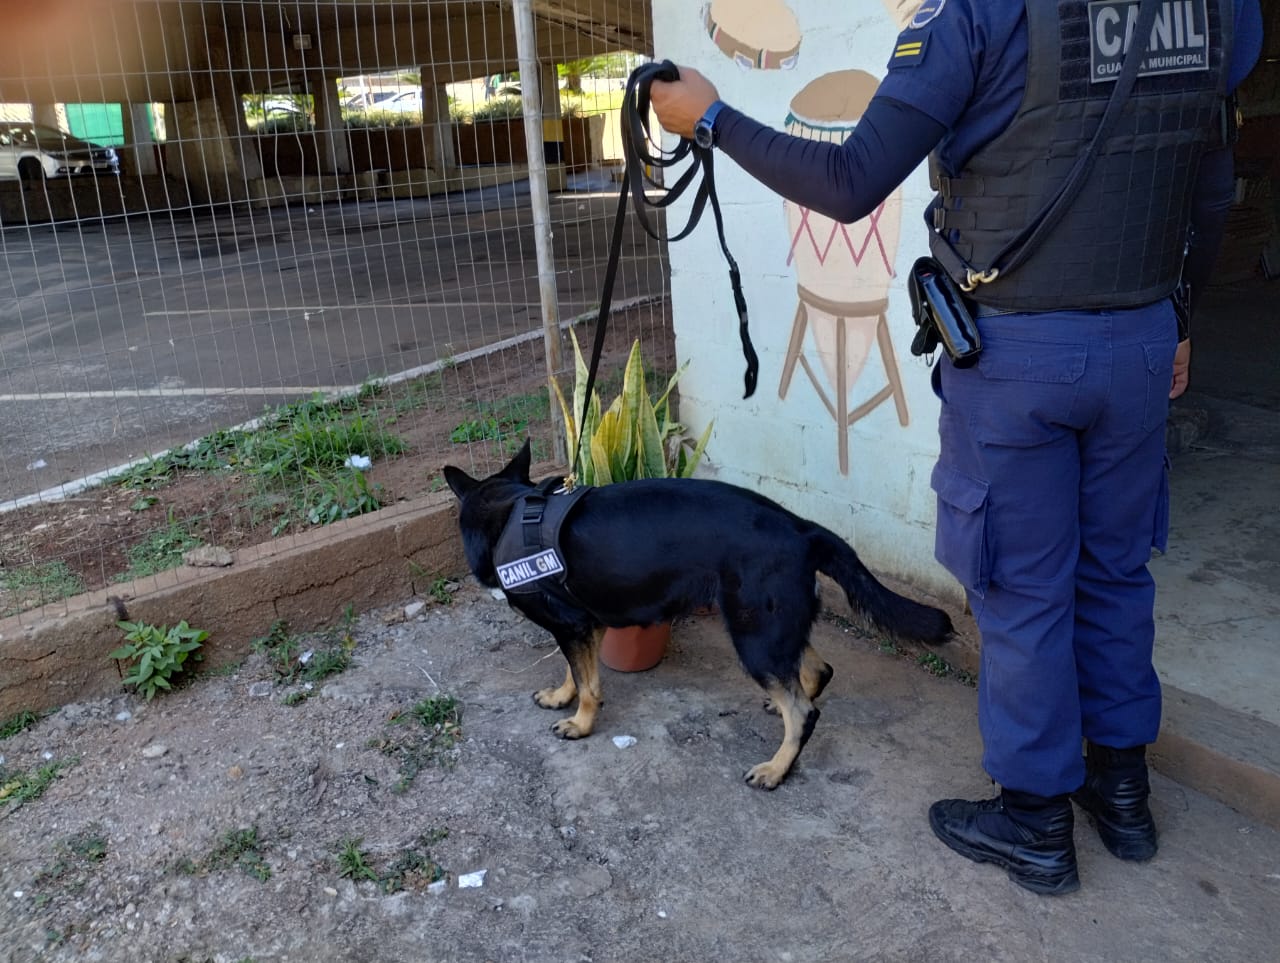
[941, 314]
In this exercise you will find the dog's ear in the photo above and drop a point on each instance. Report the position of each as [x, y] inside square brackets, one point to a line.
[459, 481]
[518, 468]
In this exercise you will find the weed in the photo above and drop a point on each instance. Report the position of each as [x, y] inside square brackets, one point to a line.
[438, 732]
[157, 655]
[17, 789]
[290, 663]
[18, 722]
[414, 868]
[223, 671]
[502, 419]
[305, 442]
[143, 503]
[36, 585]
[440, 591]
[325, 663]
[89, 846]
[159, 551]
[935, 665]
[351, 861]
[280, 648]
[242, 848]
[419, 393]
[440, 712]
[330, 499]
[74, 858]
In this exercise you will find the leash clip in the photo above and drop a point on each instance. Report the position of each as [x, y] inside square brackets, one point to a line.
[974, 278]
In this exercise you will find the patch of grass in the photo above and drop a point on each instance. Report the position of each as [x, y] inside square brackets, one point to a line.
[296, 448]
[281, 649]
[35, 585]
[496, 421]
[18, 722]
[940, 667]
[412, 869]
[157, 655]
[291, 661]
[223, 671]
[19, 788]
[431, 742]
[440, 591]
[159, 551]
[74, 858]
[238, 848]
[351, 861]
[418, 393]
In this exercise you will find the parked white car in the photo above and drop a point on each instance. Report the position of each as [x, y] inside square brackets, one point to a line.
[33, 152]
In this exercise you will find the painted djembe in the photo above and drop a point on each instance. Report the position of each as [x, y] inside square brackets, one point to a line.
[843, 271]
[754, 34]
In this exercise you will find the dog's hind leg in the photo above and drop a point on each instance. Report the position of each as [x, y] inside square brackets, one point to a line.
[798, 719]
[815, 673]
[558, 696]
[584, 670]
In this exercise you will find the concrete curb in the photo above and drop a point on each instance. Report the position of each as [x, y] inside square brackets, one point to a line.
[58, 655]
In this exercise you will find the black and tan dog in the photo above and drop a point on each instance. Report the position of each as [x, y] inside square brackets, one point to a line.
[639, 552]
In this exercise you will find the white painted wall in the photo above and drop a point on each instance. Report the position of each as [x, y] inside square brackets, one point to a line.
[787, 447]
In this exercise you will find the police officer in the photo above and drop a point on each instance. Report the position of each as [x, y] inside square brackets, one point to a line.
[1051, 479]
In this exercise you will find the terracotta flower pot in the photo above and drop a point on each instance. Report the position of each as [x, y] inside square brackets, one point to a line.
[635, 648]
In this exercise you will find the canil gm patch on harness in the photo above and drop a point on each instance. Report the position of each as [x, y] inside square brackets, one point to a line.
[1179, 41]
[530, 568]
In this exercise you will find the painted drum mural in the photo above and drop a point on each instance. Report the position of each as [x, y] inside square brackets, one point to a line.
[901, 11]
[754, 34]
[843, 271]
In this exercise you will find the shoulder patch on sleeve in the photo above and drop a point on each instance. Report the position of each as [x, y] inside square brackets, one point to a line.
[909, 51]
[926, 13]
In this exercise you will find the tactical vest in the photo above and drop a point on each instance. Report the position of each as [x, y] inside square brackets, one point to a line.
[1122, 240]
[527, 557]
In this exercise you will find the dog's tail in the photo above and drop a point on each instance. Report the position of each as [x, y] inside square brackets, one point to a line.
[884, 608]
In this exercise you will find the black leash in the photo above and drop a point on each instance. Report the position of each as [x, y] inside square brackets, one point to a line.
[636, 143]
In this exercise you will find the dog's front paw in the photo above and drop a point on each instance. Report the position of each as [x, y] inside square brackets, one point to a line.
[765, 776]
[553, 697]
[570, 729]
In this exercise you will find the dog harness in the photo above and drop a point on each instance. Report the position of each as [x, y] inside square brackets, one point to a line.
[528, 550]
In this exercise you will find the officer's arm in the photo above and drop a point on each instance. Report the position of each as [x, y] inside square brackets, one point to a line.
[844, 181]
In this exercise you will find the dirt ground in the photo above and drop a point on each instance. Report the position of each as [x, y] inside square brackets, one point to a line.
[234, 820]
[93, 531]
[209, 824]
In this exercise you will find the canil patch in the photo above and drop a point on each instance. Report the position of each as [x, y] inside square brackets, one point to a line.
[530, 568]
[1179, 41]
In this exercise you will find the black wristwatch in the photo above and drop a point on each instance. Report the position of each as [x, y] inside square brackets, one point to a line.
[704, 131]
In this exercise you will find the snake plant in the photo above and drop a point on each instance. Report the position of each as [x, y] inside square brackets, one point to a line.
[635, 436]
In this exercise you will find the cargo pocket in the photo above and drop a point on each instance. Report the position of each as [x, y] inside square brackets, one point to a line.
[1159, 381]
[1160, 529]
[960, 543]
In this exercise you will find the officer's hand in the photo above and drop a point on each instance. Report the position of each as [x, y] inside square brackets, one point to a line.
[1181, 368]
[680, 105]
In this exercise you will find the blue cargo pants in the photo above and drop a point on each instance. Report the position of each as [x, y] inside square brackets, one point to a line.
[1052, 487]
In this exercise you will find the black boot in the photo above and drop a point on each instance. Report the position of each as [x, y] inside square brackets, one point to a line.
[1030, 836]
[1114, 795]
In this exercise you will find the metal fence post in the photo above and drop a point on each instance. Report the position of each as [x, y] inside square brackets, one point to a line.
[530, 81]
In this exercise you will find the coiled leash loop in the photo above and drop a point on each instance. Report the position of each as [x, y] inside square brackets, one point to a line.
[638, 160]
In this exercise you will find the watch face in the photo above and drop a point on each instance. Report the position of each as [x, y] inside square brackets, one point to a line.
[702, 135]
